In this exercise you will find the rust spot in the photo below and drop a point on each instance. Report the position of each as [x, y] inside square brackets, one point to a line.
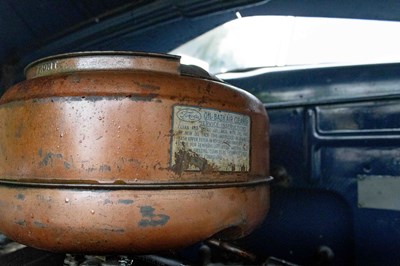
[74, 78]
[143, 97]
[23, 87]
[133, 97]
[119, 182]
[232, 197]
[134, 162]
[187, 159]
[147, 86]
[58, 181]
[208, 88]
[203, 100]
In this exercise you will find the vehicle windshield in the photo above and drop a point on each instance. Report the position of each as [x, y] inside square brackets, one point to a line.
[281, 41]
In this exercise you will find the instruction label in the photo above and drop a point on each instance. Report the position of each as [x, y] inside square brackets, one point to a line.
[206, 139]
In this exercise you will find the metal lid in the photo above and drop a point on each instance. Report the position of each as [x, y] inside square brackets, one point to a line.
[113, 60]
[109, 60]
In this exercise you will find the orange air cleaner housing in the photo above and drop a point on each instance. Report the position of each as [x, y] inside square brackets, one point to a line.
[120, 152]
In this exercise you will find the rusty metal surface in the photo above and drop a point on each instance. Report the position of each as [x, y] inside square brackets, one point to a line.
[124, 221]
[232, 248]
[77, 142]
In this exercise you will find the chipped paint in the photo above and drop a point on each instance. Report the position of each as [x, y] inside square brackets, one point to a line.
[92, 168]
[44, 198]
[104, 168]
[189, 160]
[20, 196]
[21, 223]
[149, 219]
[125, 201]
[107, 201]
[18, 132]
[147, 86]
[134, 97]
[39, 224]
[48, 158]
[67, 165]
[114, 230]
[139, 97]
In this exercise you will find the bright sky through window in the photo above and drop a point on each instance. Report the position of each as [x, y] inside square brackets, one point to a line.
[275, 41]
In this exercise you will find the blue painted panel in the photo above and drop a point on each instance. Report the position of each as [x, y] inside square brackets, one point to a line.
[369, 117]
[347, 128]
[301, 220]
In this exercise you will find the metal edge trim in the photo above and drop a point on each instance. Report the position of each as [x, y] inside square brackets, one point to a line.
[72, 55]
[153, 186]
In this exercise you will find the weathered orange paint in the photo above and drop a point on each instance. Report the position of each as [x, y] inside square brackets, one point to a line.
[85, 157]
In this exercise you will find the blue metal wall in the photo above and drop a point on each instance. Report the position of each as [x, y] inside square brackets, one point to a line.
[331, 128]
